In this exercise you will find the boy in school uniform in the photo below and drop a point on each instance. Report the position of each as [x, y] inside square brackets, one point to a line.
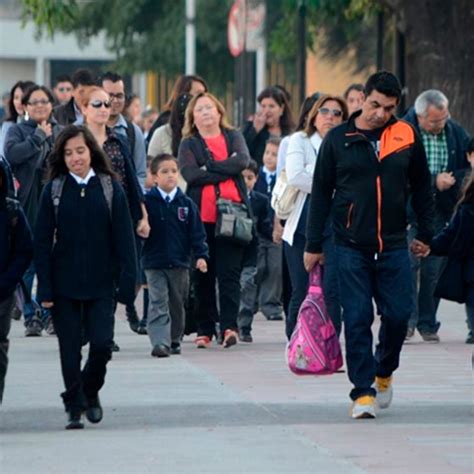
[262, 214]
[269, 267]
[176, 232]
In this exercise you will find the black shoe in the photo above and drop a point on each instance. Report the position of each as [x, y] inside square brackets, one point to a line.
[15, 313]
[132, 318]
[33, 328]
[142, 328]
[245, 337]
[94, 412]
[160, 351]
[175, 348]
[115, 347]
[74, 420]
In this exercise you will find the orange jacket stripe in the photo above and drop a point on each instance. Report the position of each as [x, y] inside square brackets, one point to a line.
[394, 138]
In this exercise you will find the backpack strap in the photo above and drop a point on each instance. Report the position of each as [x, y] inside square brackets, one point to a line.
[131, 136]
[57, 186]
[12, 206]
[108, 190]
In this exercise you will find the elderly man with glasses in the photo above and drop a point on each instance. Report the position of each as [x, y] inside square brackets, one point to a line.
[445, 143]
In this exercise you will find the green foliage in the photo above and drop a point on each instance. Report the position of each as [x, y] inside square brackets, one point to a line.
[149, 34]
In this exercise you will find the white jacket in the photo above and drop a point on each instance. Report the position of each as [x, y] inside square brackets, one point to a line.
[300, 163]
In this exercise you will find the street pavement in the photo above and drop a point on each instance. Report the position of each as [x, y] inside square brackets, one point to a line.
[239, 411]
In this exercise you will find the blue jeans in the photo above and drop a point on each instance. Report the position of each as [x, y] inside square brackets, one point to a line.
[386, 278]
[29, 308]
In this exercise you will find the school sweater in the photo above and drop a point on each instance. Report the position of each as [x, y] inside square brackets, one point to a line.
[88, 252]
[176, 232]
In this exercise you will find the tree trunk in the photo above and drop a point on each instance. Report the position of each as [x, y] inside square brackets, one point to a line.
[440, 52]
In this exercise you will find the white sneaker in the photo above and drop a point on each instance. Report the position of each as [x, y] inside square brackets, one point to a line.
[363, 407]
[384, 389]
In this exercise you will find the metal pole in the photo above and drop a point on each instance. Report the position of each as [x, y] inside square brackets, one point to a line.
[190, 37]
[380, 39]
[302, 50]
[400, 63]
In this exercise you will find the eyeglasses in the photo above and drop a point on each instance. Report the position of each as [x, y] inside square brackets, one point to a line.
[97, 104]
[333, 112]
[34, 103]
[118, 97]
[64, 89]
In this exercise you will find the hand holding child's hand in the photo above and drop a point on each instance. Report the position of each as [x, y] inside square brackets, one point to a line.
[201, 265]
[143, 228]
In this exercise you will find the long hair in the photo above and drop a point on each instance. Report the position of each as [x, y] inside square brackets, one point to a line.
[286, 120]
[177, 121]
[56, 162]
[467, 190]
[189, 126]
[24, 86]
[310, 128]
[306, 106]
[183, 86]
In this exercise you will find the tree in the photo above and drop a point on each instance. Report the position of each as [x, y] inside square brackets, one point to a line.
[149, 35]
[440, 55]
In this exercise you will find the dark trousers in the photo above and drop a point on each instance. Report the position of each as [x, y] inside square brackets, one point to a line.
[425, 275]
[384, 277]
[71, 318]
[225, 265]
[470, 308]
[6, 306]
[331, 283]
[299, 279]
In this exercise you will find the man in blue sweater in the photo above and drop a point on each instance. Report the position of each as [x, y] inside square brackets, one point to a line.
[16, 252]
[177, 233]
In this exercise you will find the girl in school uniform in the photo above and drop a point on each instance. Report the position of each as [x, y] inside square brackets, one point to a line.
[84, 251]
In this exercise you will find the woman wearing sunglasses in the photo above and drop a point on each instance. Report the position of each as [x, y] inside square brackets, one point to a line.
[326, 113]
[96, 112]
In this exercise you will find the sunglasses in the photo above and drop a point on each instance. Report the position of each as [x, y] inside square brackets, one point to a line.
[97, 104]
[34, 103]
[64, 89]
[333, 112]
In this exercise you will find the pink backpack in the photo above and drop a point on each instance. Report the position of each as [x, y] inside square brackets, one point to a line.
[314, 346]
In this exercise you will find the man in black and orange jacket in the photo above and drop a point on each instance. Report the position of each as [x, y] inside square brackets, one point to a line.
[366, 169]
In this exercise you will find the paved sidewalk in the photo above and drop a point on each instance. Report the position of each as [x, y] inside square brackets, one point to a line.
[239, 411]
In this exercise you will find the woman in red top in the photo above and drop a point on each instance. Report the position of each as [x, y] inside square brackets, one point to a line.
[212, 156]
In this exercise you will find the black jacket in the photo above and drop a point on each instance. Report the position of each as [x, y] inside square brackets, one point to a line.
[457, 141]
[366, 194]
[65, 114]
[16, 246]
[176, 232]
[256, 141]
[263, 223]
[457, 240]
[88, 252]
[199, 169]
[27, 149]
[134, 192]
